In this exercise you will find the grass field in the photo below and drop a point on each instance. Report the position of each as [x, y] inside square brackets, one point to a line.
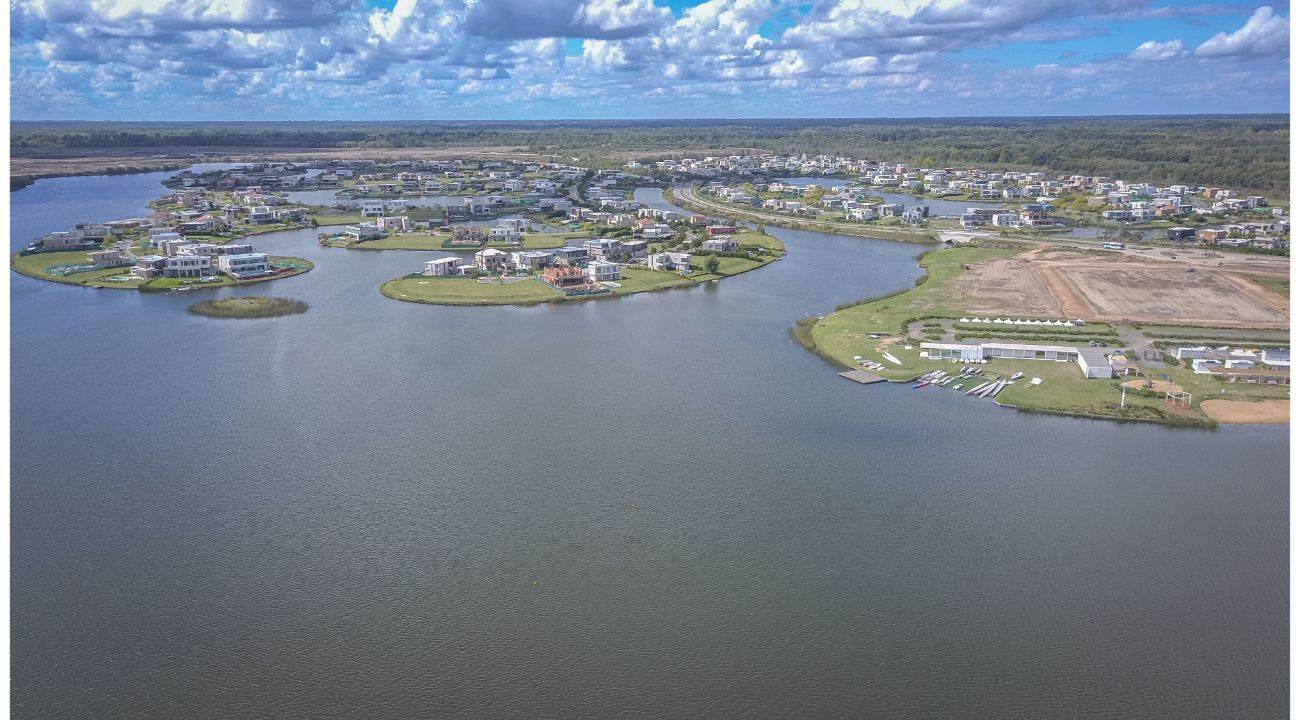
[468, 291]
[34, 266]
[1281, 286]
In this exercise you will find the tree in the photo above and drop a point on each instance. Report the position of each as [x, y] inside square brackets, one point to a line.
[711, 265]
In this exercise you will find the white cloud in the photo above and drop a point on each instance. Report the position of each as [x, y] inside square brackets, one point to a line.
[1263, 34]
[1152, 51]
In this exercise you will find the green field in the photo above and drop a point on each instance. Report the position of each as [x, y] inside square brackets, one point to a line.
[469, 291]
[34, 266]
[1281, 286]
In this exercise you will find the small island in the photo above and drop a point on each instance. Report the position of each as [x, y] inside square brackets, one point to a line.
[248, 307]
[134, 255]
[600, 267]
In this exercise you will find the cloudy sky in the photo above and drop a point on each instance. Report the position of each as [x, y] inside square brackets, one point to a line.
[522, 59]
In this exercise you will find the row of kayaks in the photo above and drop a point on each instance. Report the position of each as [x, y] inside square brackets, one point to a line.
[985, 389]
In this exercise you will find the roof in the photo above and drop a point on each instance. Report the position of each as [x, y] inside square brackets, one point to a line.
[1093, 356]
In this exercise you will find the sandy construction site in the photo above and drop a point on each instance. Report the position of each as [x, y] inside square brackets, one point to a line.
[1128, 287]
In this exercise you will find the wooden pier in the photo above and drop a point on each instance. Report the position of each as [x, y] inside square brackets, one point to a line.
[861, 376]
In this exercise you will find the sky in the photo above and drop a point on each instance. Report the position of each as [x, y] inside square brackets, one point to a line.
[641, 59]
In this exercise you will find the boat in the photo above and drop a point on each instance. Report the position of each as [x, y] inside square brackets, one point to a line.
[957, 386]
[919, 385]
[977, 388]
[1017, 376]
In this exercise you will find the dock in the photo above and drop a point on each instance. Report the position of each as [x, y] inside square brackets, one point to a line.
[861, 376]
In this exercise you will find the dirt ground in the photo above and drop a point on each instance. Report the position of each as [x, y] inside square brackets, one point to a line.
[1156, 385]
[1241, 411]
[1124, 288]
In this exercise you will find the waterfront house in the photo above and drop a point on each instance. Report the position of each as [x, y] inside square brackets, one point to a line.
[722, 243]
[187, 266]
[245, 265]
[442, 267]
[372, 208]
[363, 231]
[491, 260]
[530, 259]
[505, 235]
[669, 261]
[602, 271]
[148, 267]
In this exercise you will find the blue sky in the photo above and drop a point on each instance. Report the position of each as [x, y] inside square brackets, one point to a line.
[539, 59]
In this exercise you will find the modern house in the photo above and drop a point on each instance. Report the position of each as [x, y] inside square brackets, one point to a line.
[442, 267]
[187, 266]
[363, 231]
[570, 255]
[602, 271]
[245, 265]
[721, 243]
[669, 261]
[530, 259]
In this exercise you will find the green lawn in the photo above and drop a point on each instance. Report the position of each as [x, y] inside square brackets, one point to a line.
[34, 266]
[844, 333]
[468, 291]
[1281, 286]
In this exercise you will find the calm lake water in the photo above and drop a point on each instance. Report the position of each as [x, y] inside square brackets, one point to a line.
[650, 507]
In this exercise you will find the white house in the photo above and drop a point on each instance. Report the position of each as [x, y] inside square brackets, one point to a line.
[670, 261]
[503, 235]
[602, 270]
[442, 267]
[720, 243]
[187, 266]
[372, 208]
[245, 264]
[363, 231]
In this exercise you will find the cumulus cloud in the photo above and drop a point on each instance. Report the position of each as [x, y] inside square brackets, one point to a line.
[1263, 34]
[1152, 51]
[342, 58]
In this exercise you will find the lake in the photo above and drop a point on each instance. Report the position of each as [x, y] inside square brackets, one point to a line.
[649, 507]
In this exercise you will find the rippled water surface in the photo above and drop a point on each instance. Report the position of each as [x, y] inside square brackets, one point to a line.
[651, 507]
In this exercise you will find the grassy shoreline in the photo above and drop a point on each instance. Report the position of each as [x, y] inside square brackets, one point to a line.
[32, 266]
[886, 324]
[461, 291]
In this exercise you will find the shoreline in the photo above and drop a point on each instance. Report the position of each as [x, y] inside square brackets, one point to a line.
[888, 323]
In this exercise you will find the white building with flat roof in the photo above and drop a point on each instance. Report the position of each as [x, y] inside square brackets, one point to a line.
[245, 265]
[442, 267]
[602, 271]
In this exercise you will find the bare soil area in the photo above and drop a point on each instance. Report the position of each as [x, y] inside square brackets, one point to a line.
[1242, 411]
[1127, 288]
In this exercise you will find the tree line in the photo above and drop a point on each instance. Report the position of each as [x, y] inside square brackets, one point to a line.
[1242, 151]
